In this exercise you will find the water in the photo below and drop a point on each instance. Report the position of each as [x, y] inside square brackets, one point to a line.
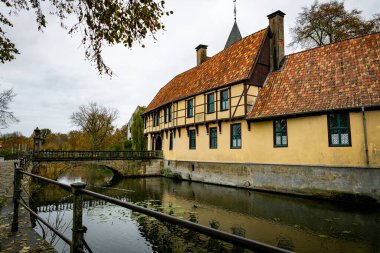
[294, 223]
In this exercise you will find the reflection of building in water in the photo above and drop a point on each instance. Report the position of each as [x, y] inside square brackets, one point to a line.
[270, 218]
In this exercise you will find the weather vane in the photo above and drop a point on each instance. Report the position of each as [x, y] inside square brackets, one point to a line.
[235, 9]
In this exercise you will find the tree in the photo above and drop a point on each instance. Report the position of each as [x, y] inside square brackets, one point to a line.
[96, 121]
[324, 23]
[6, 116]
[119, 141]
[100, 22]
[14, 143]
[137, 131]
[77, 140]
[45, 133]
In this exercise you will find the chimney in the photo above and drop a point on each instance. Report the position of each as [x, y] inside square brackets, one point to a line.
[277, 51]
[201, 54]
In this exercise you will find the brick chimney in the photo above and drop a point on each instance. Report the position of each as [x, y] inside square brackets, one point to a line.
[277, 50]
[201, 54]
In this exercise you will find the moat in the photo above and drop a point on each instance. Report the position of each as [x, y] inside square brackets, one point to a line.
[293, 223]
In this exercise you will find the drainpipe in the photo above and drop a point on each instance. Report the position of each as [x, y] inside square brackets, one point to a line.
[365, 136]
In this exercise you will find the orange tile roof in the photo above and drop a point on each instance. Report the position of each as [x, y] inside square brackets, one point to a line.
[228, 66]
[337, 76]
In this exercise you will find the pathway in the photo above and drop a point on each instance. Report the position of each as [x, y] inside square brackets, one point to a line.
[26, 239]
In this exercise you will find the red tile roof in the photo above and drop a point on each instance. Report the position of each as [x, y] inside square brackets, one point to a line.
[228, 66]
[337, 76]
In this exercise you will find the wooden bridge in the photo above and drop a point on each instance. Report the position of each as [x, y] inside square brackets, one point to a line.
[61, 156]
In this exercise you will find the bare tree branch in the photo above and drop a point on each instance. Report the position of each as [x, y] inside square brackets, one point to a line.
[6, 116]
[96, 121]
[324, 23]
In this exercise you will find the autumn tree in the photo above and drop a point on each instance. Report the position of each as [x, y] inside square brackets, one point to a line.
[118, 141]
[100, 22]
[139, 141]
[97, 122]
[324, 23]
[6, 116]
[77, 140]
[45, 133]
[57, 141]
[13, 143]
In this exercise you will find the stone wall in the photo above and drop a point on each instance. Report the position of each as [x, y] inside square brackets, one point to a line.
[125, 168]
[340, 183]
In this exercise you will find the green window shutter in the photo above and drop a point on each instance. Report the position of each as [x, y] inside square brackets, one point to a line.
[236, 136]
[210, 103]
[339, 129]
[192, 140]
[280, 133]
[224, 100]
[213, 138]
[190, 108]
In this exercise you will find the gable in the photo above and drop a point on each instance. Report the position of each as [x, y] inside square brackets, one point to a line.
[234, 64]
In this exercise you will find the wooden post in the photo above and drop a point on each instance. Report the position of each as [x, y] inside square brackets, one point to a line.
[78, 228]
[16, 196]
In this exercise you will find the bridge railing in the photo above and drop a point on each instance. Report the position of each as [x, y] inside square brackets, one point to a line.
[95, 155]
[77, 242]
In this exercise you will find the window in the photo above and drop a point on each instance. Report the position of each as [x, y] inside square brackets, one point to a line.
[339, 129]
[192, 141]
[213, 138]
[210, 103]
[157, 118]
[236, 136]
[224, 100]
[189, 107]
[165, 115]
[170, 114]
[171, 141]
[280, 133]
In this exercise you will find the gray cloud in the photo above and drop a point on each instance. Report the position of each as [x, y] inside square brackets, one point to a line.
[52, 79]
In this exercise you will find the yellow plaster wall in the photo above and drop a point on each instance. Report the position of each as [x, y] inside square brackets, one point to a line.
[373, 137]
[307, 143]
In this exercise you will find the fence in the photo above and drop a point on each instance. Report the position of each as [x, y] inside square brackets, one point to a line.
[94, 155]
[77, 243]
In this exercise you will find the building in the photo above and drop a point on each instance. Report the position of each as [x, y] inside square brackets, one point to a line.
[306, 123]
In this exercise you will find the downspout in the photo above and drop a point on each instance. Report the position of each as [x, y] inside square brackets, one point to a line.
[365, 136]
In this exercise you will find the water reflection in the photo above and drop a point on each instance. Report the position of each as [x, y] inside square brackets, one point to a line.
[293, 223]
[93, 175]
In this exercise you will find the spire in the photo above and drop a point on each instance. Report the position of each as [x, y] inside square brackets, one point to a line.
[235, 10]
[235, 34]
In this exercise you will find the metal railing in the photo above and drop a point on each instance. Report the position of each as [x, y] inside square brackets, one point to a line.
[77, 242]
[42, 156]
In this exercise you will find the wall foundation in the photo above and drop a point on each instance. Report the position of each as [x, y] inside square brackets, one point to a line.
[356, 184]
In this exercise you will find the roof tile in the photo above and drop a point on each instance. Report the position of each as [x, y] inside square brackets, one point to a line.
[337, 76]
[230, 65]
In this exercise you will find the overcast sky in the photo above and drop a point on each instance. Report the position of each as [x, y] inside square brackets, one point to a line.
[52, 79]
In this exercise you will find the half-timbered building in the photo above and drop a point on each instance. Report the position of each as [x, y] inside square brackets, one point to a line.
[252, 117]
